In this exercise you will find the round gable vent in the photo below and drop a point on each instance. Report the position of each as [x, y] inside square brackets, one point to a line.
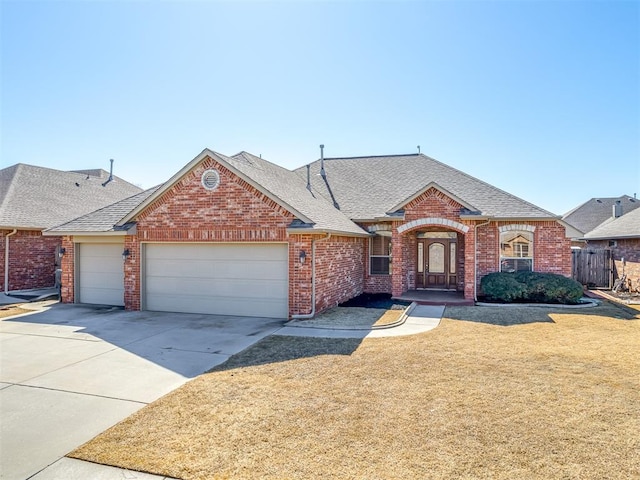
[210, 179]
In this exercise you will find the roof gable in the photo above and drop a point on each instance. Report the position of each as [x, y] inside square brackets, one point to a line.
[276, 183]
[430, 185]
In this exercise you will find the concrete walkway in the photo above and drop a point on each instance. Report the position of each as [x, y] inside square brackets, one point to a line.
[419, 319]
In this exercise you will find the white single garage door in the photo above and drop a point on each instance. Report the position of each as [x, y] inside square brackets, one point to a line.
[221, 279]
[100, 274]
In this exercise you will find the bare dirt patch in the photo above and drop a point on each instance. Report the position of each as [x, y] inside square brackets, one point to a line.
[496, 393]
[12, 310]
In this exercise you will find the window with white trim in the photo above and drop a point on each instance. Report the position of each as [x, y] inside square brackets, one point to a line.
[516, 251]
[379, 255]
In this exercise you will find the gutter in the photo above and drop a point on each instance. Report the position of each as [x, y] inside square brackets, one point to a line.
[475, 258]
[312, 314]
[327, 231]
[6, 260]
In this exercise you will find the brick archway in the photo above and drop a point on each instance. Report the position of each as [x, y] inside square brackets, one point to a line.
[402, 250]
[432, 221]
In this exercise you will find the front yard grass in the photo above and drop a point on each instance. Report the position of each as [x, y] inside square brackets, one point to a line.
[501, 393]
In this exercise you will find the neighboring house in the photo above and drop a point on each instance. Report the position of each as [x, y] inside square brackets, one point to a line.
[592, 213]
[240, 235]
[35, 198]
[620, 233]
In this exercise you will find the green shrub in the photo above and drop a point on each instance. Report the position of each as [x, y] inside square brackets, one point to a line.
[532, 287]
[502, 286]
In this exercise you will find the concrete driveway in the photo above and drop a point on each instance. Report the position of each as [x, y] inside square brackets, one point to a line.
[68, 372]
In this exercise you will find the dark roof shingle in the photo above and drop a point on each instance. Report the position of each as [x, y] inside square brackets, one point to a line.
[367, 187]
[38, 197]
[104, 219]
[595, 211]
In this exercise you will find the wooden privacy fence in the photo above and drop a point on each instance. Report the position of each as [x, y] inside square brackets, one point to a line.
[592, 267]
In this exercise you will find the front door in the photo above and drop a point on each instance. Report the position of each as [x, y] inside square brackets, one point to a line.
[436, 263]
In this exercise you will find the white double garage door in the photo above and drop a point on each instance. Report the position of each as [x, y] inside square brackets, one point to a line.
[221, 279]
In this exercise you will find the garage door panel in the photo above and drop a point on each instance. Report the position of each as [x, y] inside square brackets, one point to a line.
[102, 296]
[266, 269]
[108, 281]
[228, 288]
[101, 274]
[226, 279]
[236, 253]
[223, 306]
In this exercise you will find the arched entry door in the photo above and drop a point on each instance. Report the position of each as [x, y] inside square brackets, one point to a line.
[436, 260]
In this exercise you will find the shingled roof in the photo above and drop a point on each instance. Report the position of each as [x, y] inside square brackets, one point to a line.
[356, 188]
[625, 226]
[367, 188]
[105, 219]
[37, 197]
[291, 189]
[595, 211]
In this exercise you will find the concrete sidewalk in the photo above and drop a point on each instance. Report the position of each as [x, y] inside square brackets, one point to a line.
[419, 319]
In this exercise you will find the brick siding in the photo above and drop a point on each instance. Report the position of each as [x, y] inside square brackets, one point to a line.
[32, 260]
[339, 270]
[67, 290]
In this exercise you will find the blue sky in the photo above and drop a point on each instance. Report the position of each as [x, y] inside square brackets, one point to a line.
[539, 98]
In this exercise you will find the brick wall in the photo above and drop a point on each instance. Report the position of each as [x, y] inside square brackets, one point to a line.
[432, 203]
[234, 212]
[339, 270]
[68, 268]
[132, 273]
[551, 248]
[31, 259]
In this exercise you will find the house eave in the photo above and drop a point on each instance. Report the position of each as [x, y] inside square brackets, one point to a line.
[526, 219]
[321, 231]
[75, 233]
[22, 227]
[611, 237]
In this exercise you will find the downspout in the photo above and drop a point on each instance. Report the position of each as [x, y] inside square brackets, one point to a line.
[475, 259]
[6, 260]
[312, 314]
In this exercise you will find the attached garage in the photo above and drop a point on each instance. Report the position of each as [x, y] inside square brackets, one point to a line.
[100, 273]
[246, 279]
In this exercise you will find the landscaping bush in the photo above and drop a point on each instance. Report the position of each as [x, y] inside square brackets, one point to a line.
[531, 287]
[502, 286]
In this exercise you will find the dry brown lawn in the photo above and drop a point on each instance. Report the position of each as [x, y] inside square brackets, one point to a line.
[500, 393]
